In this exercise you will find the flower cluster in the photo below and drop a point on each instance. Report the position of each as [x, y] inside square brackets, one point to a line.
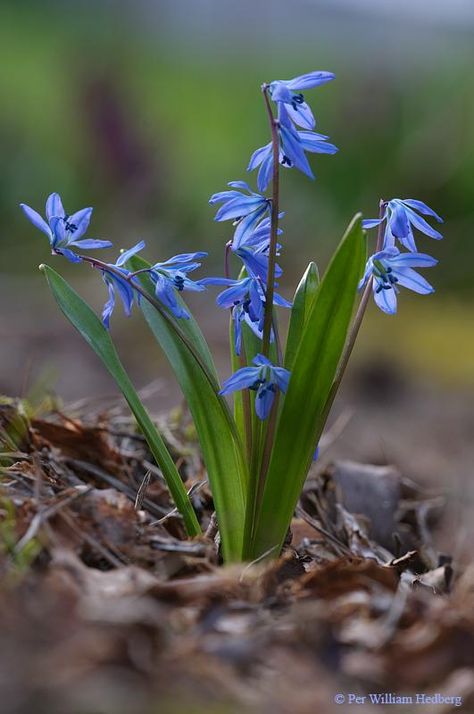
[169, 277]
[388, 269]
[250, 213]
[295, 124]
[255, 218]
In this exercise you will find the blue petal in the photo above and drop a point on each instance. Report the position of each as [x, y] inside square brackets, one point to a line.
[386, 300]
[414, 260]
[265, 173]
[192, 285]
[165, 292]
[127, 254]
[398, 221]
[369, 223]
[69, 255]
[264, 400]
[311, 142]
[36, 219]
[241, 379]
[409, 278]
[301, 115]
[247, 225]
[259, 155]
[54, 206]
[282, 377]
[243, 185]
[59, 232]
[294, 151]
[422, 208]
[223, 196]
[234, 294]
[262, 361]
[109, 305]
[91, 243]
[125, 292]
[280, 301]
[280, 92]
[256, 263]
[310, 80]
[182, 259]
[422, 225]
[237, 316]
[238, 207]
[408, 241]
[80, 220]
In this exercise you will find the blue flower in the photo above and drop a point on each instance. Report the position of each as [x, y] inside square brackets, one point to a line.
[246, 299]
[171, 276]
[288, 93]
[264, 378]
[401, 217]
[293, 145]
[391, 269]
[119, 280]
[245, 210]
[258, 239]
[64, 230]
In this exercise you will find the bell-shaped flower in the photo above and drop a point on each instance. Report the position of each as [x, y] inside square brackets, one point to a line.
[391, 270]
[265, 379]
[289, 93]
[401, 216]
[246, 300]
[293, 145]
[64, 231]
[244, 209]
[119, 280]
[171, 277]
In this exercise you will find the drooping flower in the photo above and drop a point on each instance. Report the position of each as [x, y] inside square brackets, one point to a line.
[390, 270]
[64, 231]
[401, 217]
[244, 209]
[293, 145]
[246, 299]
[171, 277]
[264, 378]
[168, 278]
[118, 279]
[259, 238]
[288, 93]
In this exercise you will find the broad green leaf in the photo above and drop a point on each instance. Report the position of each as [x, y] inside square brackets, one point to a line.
[302, 303]
[314, 367]
[220, 441]
[91, 328]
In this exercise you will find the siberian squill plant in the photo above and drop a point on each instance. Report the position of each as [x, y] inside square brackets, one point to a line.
[258, 453]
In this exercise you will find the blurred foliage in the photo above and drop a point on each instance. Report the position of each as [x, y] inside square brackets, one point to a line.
[101, 103]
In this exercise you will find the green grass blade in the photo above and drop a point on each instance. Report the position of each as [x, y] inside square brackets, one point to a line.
[91, 328]
[314, 367]
[302, 303]
[220, 441]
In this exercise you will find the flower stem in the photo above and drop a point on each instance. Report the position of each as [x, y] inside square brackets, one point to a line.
[270, 288]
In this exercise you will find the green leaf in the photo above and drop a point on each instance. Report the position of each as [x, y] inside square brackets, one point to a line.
[219, 438]
[313, 369]
[91, 328]
[302, 303]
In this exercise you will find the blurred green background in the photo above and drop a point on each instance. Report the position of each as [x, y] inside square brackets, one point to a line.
[143, 109]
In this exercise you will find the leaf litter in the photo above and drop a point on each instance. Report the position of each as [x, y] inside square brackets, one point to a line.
[106, 606]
